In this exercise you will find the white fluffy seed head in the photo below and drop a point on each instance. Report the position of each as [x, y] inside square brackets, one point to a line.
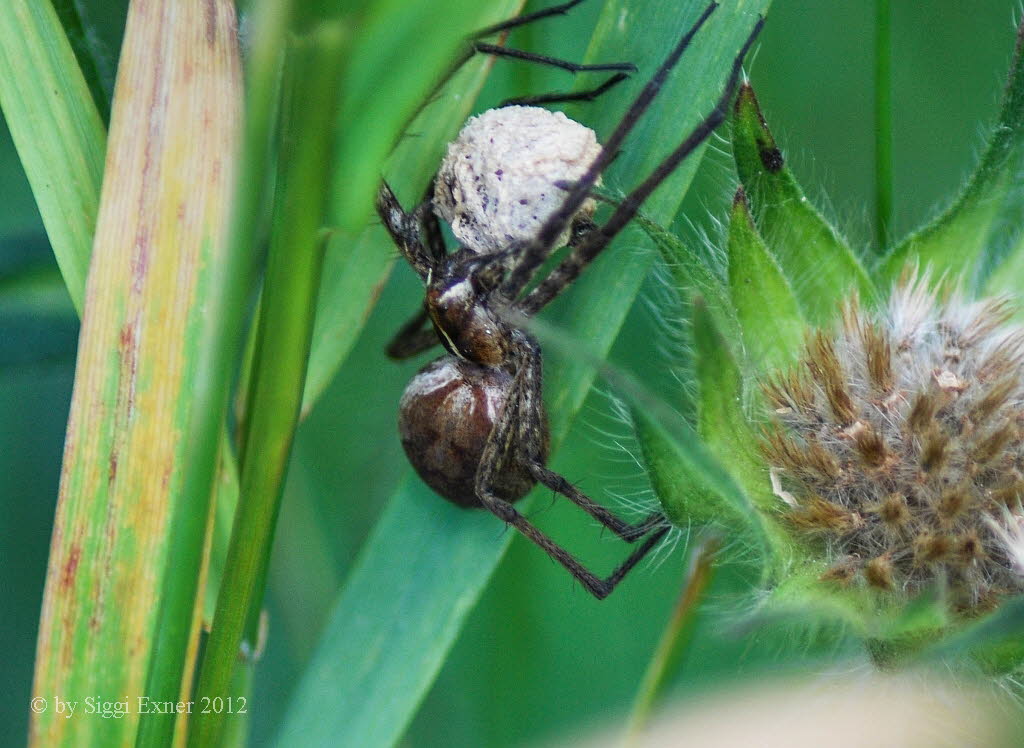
[900, 444]
[498, 181]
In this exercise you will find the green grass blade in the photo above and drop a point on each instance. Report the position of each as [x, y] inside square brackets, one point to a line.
[355, 269]
[77, 35]
[57, 130]
[292, 278]
[996, 642]
[672, 647]
[815, 259]
[974, 227]
[426, 563]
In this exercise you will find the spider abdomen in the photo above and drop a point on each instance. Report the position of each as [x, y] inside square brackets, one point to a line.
[445, 417]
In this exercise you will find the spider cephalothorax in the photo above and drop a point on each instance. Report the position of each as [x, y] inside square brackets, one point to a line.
[515, 186]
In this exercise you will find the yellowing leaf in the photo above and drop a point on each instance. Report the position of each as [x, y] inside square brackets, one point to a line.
[161, 224]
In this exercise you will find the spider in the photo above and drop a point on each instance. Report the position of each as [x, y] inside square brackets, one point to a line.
[472, 422]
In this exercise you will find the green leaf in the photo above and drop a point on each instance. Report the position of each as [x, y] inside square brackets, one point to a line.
[80, 41]
[769, 316]
[692, 486]
[426, 563]
[691, 275]
[57, 130]
[313, 64]
[984, 220]
[901, 632]
[721, 421]
[687, 473]
[815, 259]
[804, 601]
[996, 642]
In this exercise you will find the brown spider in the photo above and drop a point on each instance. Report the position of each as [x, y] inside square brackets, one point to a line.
[472, 422]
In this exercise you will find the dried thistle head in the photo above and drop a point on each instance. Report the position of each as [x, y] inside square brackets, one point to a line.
[899, 445]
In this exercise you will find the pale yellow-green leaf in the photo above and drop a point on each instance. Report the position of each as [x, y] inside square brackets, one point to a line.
[163, 210]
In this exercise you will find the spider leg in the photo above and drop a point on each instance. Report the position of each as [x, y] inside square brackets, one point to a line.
[511, 23]
[471, 47]
[560, 98]
[568, 270]
[498, 449]
[413, 337]
[530, 427]
[573, 67]
[405, 230]
[534, 253]
[431, 225]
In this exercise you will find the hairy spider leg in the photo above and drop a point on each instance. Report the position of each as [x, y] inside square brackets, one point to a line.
[413, 338]
[431, 225]
[589, 94]
[532, 254]
[407, 230]
[496, 50]
[528, 398]
[569, 269]
[511, 23]
[499, 447]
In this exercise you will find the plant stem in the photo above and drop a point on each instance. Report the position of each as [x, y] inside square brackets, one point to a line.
[312, 73]
[883, 123]
[676, 636]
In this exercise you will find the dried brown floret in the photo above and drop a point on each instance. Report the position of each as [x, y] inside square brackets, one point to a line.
[930, 548]
[878, 355]
[990, 447]
[995, 397]
[933, 449]
[790, 390]
[828, 373]
[1009, 492]
[870, 447]
[893, 511]
[969, 548]
[813, 461]
[922, 412]
[842, 573]
[953, 503]
[879, 572]
[821, 515]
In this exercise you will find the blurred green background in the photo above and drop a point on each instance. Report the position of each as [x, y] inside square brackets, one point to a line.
[538, 657]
